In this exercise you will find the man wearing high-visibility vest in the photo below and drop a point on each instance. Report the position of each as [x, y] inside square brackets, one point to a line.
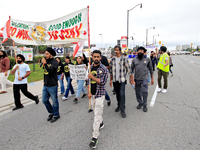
[163, 69]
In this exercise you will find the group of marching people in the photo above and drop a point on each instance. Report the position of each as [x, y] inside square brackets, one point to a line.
[117, 68]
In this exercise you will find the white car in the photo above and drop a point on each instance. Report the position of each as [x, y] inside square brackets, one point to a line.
[196, 53]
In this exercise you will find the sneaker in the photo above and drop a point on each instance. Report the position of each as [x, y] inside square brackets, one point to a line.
[172, 75]
[108, 102]
[139, 106]
[159, 90]
[164, 91]
[123, 114]
[93, 143]
[37, 99]
[64, 98]
[50, 117]
[117, 109]
[61, 94]
[75, 100]
[90, 110]
[101, 126]
[54, 119]
[18, 107]
[84, 95]
[145, 109]
[72, 94]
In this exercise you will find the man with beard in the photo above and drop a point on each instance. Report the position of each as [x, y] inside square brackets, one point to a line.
[98, 76]
[140, 66]
[104, 61]
[20, 82]
[4, 71]
[50, 88]
[119, 66]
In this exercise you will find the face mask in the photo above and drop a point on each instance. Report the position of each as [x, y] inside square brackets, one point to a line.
[19, 62]
[140, 55]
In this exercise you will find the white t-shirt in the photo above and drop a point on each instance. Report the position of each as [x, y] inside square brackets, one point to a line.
[117, 68]
[23, 68]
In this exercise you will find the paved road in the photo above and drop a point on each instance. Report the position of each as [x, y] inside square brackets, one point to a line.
[172, 123]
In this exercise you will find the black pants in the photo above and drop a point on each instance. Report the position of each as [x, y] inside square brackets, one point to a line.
[120, 94]
[16, 92]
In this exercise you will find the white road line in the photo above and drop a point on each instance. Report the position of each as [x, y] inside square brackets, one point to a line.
[192, 62]
[154, 97]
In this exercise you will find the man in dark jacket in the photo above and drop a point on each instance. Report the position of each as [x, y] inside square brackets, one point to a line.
[140, 66]
[50, 88]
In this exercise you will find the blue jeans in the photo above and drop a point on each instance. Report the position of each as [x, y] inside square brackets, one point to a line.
[69, 86]
[53, 92]
[80, 87]
[62, 87]
[107, 97]
[120, 94]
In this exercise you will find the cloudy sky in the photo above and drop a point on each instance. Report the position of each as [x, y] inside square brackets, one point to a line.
[176, 21]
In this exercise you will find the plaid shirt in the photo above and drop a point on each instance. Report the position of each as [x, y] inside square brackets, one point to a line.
[102, 73]
[124, 68]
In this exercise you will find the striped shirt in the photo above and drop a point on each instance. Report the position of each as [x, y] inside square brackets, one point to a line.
[123, 69]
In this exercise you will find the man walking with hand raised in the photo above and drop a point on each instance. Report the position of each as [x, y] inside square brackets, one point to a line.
[98, 76]
[50, 88]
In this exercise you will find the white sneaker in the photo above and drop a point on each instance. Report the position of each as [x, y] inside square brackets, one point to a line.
[164, 91]
[64, 98]
[172, 74]
[72, 94]
[61, 94]
[159, 90]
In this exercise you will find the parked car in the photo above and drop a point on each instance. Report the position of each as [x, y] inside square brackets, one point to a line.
[196, 53]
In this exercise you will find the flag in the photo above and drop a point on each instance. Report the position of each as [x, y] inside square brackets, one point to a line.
[6, 31]
[78, 49]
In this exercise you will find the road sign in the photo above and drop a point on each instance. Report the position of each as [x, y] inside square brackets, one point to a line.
[159, 42]
[191, 43]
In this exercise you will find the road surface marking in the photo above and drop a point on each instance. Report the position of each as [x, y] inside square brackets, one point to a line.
[154, 97]
[192, 62]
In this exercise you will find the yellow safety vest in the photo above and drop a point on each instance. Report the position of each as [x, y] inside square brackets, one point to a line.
[162, 62]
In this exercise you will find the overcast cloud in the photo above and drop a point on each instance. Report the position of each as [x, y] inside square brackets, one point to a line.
[176, 21]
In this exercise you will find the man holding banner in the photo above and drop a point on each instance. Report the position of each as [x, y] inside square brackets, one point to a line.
[98, 76]
[50, 88]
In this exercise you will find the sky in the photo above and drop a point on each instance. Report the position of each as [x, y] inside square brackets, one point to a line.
[176, 21]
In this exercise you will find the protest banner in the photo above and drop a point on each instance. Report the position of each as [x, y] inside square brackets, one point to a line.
[27, 53]
[78, 72]
[64, 30]
[59, 51]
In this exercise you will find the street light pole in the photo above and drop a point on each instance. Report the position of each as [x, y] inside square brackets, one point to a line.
[147, 35]
[154, 36]
[128, 20]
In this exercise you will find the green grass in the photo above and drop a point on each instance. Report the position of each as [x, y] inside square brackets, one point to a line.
[35, 76]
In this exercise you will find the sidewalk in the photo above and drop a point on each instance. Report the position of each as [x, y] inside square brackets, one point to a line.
[7, 99]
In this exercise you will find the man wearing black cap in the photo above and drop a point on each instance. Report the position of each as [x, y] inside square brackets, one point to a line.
[50, 88]
[20, 82]
[140, 66]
